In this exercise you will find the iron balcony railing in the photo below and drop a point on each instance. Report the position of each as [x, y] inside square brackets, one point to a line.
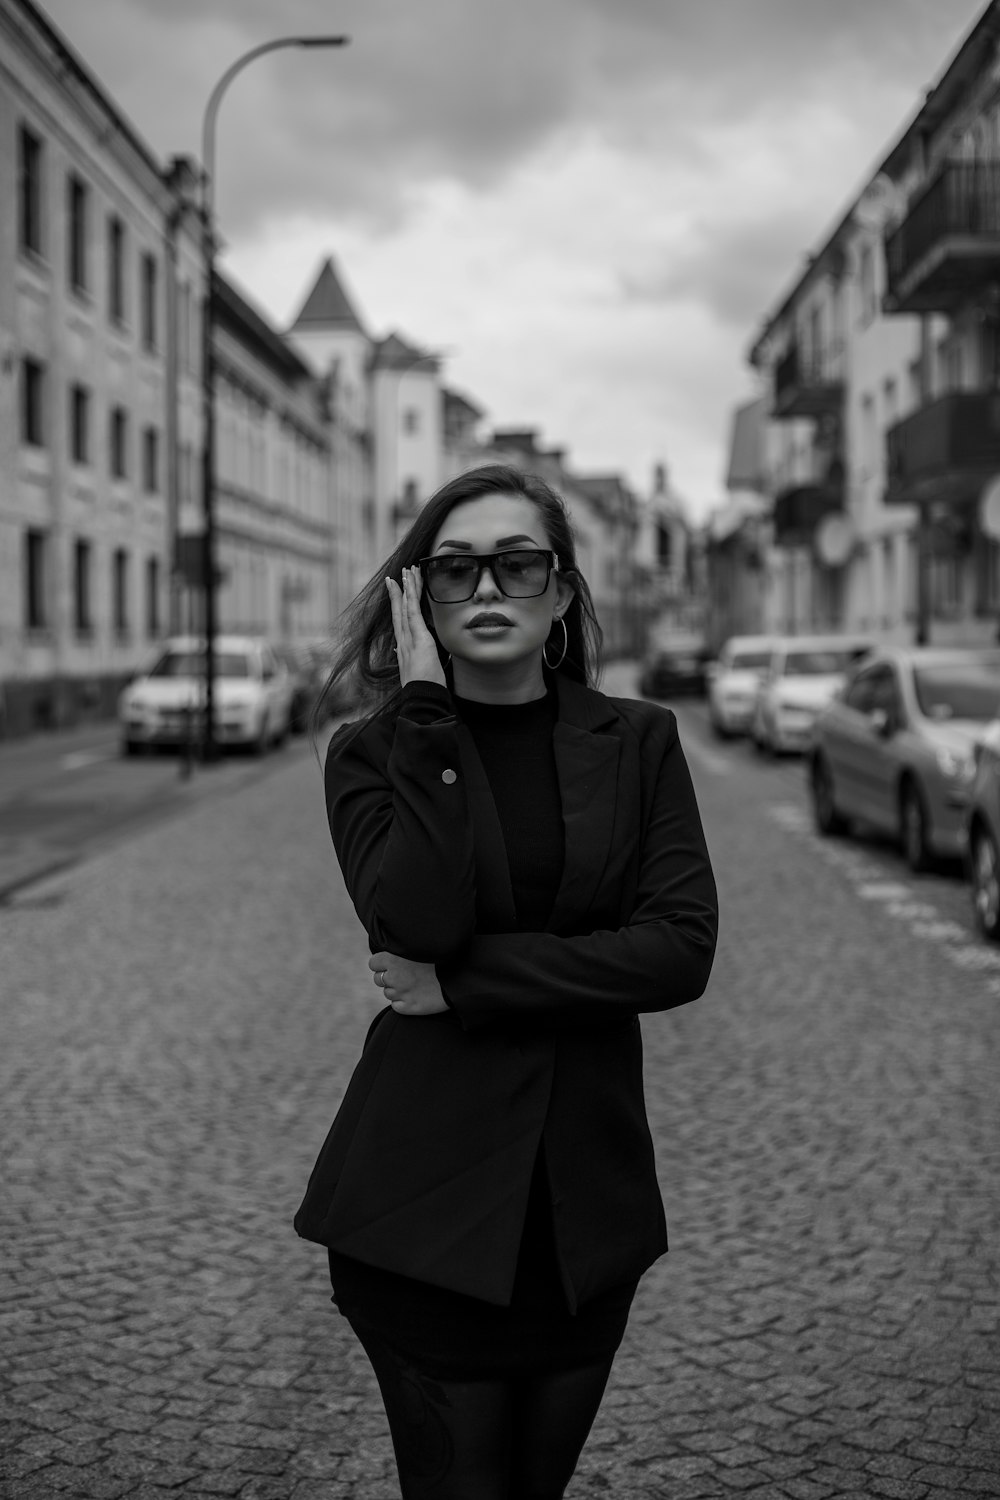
[806, 385]
[949, 241]
[953, 439]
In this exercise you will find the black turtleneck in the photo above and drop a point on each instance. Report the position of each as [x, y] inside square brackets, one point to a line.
[514, 742]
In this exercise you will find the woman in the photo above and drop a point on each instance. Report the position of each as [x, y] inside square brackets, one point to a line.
[527, 858]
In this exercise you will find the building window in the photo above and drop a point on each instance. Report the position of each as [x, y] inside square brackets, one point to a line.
[79, 424]
[150, 460]
[35, 548]
[152, 597]
[82, 558]
[116, 271]
[411, 420]
[32, 403]
[149, 292]
[29, 172]
[119, 591]
[76, 236]
[118, 443]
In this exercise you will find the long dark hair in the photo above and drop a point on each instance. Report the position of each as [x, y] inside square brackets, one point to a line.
[366, 653]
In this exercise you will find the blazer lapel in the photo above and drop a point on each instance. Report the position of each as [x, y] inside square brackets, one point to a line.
[587, 767]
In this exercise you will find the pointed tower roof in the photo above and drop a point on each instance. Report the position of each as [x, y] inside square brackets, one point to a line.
[327, 306]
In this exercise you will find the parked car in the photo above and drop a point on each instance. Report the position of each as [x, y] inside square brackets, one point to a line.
[306, 670]
[801, 677]
[897, 748]
[733, 681]
[164, 702]
[982, 846]
[674, 667]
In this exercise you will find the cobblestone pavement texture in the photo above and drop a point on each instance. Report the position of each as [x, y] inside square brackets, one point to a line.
[181, 1015]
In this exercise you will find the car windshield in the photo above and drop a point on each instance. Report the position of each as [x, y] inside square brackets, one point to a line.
[968, 691]
[749, 661]
[816, 663]
[192, 664]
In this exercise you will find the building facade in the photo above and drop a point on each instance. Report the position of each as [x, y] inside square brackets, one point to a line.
[88, 388]
[883, 383]
[273, 483]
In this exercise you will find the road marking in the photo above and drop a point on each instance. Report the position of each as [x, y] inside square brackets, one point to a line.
[897, 899]
[884, 891]
[77, 759]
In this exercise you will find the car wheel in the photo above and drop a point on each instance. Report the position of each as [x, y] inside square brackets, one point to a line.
[718, 728]
[986, 883]
[913, 829]
[829, 822]
[130, 747]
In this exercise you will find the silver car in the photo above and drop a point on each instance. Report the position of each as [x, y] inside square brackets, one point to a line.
[983, 846]
[896, 747]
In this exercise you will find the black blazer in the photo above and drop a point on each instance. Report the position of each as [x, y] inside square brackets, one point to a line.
[427, 1166]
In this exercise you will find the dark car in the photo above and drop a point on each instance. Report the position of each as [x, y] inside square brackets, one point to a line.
[306, 671]
[673, 669]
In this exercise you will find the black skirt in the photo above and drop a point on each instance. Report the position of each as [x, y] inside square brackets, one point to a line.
[448, 1334]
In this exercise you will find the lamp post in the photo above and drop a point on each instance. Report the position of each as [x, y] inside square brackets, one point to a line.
[210, 581]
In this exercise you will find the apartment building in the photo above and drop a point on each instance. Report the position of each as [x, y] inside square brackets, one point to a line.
[88, 399]
[883, 378]
[273, 489]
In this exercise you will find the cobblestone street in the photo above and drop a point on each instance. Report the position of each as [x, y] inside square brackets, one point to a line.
[181, 1015]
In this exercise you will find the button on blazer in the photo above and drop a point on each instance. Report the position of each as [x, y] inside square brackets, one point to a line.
[426, 1169]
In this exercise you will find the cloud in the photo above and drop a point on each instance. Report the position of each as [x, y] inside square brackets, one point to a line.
[465, 89]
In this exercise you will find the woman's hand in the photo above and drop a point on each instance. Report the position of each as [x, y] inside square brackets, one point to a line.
[411, 988]
[416, 648]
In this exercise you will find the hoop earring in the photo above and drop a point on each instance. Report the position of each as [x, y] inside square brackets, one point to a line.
[553, 665]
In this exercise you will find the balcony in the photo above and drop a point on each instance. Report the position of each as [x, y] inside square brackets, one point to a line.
[948, 246]
[945, 451]
[805, 387]
[799, 509]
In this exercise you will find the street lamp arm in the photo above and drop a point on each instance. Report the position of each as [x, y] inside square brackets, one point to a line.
[215, 97]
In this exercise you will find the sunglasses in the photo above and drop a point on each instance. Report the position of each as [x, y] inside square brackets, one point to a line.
[453, 577]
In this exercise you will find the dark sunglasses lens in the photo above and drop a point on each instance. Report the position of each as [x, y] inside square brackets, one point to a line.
[451, 579]
[519, 575]
[522, 575]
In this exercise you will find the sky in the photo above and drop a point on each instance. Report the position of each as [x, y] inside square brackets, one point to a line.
[588, 206]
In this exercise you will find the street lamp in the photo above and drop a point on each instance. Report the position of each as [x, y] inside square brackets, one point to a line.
[209, 747]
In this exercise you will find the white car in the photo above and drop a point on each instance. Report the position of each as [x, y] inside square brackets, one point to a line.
[733, 681]
[164, 702]
[802, 675]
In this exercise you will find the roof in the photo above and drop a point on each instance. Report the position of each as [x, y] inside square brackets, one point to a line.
[246, 320]
[75, 66]
[328, 306]
[455, 401]
[394, 353]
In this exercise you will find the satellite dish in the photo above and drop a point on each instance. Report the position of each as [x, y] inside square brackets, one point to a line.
[834, 539]
[881, 201]
[989, 509]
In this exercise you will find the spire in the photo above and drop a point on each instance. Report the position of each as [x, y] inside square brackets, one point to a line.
[327, 306]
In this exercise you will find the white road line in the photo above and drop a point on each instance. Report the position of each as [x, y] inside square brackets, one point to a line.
[77, 759]
[897, 900]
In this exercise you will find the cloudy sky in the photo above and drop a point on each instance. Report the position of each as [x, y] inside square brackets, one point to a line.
[589, 204]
